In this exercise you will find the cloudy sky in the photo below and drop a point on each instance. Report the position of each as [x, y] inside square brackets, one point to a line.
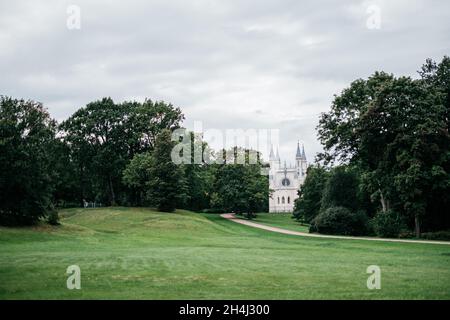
[230, 64]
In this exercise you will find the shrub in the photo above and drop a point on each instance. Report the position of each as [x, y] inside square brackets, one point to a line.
[406, 235]
[249, 215]
[53, 218]
[388, 224]
[340, 221]
[438, 235]
[213, 210]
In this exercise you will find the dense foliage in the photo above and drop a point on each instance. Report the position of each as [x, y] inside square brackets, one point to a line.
[27, 136]
[241, 188]
[307, 205]
[165, 186]
[394, 132]
[212, 186]
[340, 221]
[341, 189]
[115, 154]
[389, 137]
[102, 139]
[388, 224]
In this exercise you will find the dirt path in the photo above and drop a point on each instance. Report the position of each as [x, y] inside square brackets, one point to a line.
[232, 217]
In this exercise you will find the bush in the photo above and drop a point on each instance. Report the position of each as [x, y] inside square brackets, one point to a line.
[438, 235]
[340, 221]
[388, 224]
[249, 215]
[406, 235]
[213, 210]
[53, 218]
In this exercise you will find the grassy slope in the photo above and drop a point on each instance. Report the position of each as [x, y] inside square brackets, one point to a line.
[137, 253]
[281, 220]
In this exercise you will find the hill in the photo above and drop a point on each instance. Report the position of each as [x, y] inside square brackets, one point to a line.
[137, 253]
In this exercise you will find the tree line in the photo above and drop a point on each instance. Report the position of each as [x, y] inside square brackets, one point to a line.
[384, 170]
[113, 154]
[386, 161]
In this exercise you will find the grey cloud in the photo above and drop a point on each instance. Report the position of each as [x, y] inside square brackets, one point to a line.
[231, 64]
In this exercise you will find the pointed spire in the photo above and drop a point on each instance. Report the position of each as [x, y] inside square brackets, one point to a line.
[271, 156]
[278, 156]
[298, 155]
[303, 152]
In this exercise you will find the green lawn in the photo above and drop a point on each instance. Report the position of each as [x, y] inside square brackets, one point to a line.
[127, 253]
[281, 220]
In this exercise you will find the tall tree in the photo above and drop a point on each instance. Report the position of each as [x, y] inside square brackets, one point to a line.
[104, 137]
[436, 77]
[136, 176]
[198, 173]
[307, 205]
[341, 189]
[99, 127]
[166, 185]
[240, 187]
[396, 131]
[27, 134]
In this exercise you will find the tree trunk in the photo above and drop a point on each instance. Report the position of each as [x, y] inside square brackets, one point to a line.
[384, 204]
[417, 226]
[111, 189]
[83, 186]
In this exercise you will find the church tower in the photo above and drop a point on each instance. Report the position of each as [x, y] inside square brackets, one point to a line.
[298, 160]
[273, 160]
[285, 180]
[304, 164]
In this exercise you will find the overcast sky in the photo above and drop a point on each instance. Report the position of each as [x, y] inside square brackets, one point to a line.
[230, 64]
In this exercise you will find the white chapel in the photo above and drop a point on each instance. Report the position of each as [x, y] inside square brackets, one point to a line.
[286, 180]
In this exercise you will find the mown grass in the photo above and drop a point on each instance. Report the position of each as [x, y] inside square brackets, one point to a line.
[281, 220]
[136, 253]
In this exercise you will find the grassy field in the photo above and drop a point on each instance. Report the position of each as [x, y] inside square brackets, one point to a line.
[281, 220]
[130, 253]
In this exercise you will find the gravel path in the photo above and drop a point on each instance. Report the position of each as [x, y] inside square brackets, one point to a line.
[233, 218]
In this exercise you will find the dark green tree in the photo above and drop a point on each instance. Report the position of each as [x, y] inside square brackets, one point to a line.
[240, 187]
[256, 191]
[99, 127]
[66, 187]
[136, 176]
[104, 137]
[341, 189]
[156, 175]
[395, 130]
[167, 186]
[27, 135]
[199, 174]
[436, 77]
[307, 205]
[341, 221]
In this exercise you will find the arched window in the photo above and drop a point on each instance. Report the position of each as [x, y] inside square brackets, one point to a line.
[282, 200]
[289, 199]
[278, 200]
